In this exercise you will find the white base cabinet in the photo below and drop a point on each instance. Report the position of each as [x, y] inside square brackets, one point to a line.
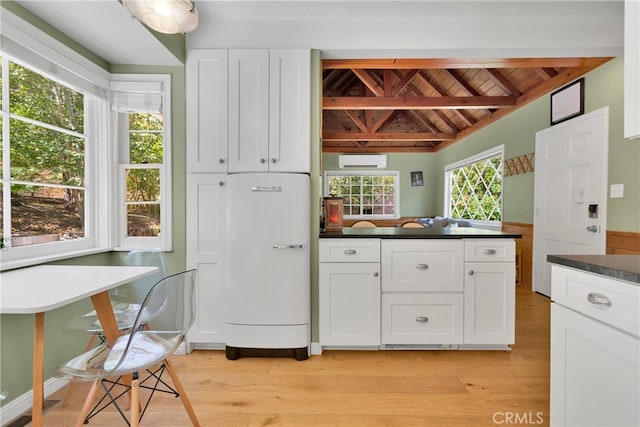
[430, 293]
[350, 292]
[595, 350]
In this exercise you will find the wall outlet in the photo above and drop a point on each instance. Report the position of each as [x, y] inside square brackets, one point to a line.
[617, 191]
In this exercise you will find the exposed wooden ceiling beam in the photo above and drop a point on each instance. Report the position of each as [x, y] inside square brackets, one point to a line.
[437, 63]
[440, 91]
[503, 82]
[382, 136]
[369, 82]
[418, 103]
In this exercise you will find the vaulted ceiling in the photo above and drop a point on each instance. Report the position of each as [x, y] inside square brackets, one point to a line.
[424, 105]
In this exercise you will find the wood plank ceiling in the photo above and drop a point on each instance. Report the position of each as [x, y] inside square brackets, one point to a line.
[424, 105]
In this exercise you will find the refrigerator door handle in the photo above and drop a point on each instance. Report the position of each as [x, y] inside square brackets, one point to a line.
[297, 246]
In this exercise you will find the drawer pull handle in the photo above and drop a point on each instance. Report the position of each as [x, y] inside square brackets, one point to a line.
[598, 299]
[422, 266]
[489, 252]
[349, 251]
[422, 319]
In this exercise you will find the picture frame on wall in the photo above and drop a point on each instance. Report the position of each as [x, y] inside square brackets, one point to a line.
[417, 179]
[567, 102]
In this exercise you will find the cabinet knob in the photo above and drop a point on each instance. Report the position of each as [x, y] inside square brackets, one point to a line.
[221, 161]
[422, 266]
[422, 319]
[262, 160]
[376, 274]
[220, 183]
[471, 272]
[273, 160]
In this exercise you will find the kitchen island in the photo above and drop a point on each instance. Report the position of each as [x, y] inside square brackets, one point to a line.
[595, 340]
[431, 288]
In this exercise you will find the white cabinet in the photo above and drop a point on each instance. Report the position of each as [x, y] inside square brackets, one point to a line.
[248, 110]
[435, 293]
[422, 302]
[489, 292]
[206, 223]
[207, 110]
[349, 292]
[269, 110]
[595, 350]
[632, 69]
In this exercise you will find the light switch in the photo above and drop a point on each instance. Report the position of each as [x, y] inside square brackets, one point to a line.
[617, 191]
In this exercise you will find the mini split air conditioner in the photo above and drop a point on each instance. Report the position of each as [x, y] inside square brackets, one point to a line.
[363, 161]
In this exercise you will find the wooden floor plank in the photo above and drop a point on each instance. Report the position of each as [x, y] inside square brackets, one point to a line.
[361, 388]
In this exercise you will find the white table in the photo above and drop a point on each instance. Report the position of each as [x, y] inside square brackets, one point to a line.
[36, 290]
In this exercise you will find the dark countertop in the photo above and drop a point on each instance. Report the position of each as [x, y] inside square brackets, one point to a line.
[623, 267]
[419, 233]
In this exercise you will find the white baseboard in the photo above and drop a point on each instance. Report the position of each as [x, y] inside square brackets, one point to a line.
[316, 349]
[23, 403]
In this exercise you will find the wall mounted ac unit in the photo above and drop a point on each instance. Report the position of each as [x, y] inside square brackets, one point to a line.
[363, 161]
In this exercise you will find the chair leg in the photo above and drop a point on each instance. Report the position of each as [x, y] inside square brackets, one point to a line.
[73, 383]
[183, 394]
[87, 403]
[135, 401]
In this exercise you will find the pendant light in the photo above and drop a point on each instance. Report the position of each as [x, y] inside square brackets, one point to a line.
[164, 16]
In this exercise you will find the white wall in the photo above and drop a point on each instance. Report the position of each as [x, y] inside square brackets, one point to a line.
[453, 28]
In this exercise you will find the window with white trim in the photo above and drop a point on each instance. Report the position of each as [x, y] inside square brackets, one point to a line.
[142, 120]
[367, 194]
[473, 188]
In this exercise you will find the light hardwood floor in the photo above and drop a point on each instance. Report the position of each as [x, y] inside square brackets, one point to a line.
[363, 388]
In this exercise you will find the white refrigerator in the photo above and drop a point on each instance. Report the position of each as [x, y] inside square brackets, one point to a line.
[268, 282]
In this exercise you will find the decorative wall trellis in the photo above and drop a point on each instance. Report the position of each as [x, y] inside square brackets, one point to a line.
[519, 164]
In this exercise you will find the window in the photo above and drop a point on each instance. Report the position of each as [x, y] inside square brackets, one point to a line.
[372, 195]
[144, 190]
[46, 152]
[473, 188]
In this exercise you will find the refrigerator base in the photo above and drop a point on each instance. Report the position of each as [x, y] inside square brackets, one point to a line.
[300, 354]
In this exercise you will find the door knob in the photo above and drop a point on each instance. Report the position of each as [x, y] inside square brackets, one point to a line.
[592, 228]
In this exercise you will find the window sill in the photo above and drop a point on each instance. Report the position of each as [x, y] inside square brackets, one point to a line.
[27, 262]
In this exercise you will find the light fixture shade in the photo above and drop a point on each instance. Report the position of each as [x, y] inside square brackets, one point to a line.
[164, 16]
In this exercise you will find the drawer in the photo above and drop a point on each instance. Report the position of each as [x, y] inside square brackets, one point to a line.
[430, 318]
[349, 250]
[611, 301]
[422, 265]
[489, 250]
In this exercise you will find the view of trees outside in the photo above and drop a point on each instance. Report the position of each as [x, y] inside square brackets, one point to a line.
[47, 149]
[146, 150]
[365, 195]
[476, 191]
[45, 186]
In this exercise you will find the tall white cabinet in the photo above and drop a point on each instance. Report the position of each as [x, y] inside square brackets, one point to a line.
[248, 110]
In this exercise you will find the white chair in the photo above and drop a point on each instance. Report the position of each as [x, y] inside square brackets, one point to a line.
[148, 344]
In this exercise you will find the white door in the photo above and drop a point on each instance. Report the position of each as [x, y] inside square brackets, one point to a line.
[570, 192]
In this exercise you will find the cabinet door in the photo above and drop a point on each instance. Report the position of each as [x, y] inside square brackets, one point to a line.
[422, 265]
[290, 110]
[248, 110]
[207, 110]
[349, 304]
[594, 372]
[489, 303]
[206, 206]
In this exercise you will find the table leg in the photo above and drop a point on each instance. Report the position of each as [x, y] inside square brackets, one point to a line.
[102, 304]
[38, 371]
